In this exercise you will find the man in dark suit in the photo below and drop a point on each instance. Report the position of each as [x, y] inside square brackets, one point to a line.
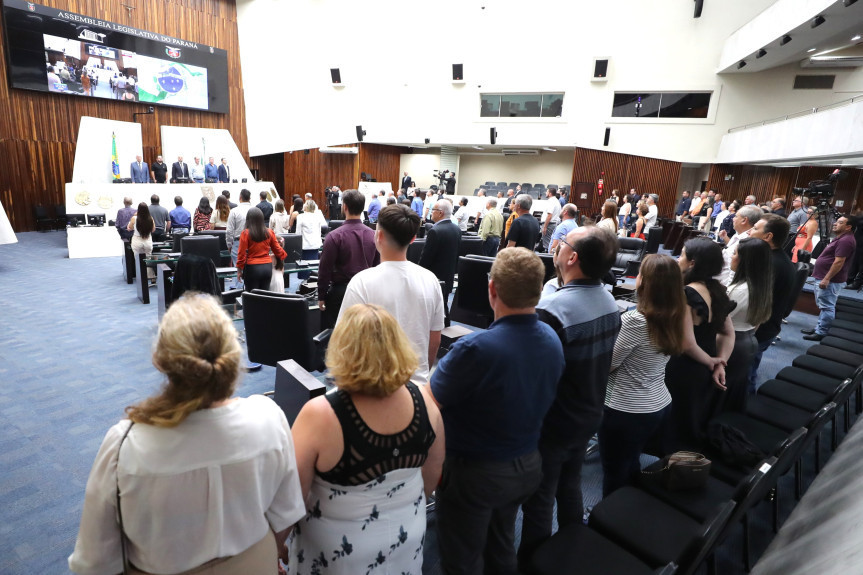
[440, 254]
[140, 171]
[224, 172]
[179, 169]
[265, 207]
[450, 183]
[406, 181]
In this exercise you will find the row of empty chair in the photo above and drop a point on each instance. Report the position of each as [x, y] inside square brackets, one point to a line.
[648, 529]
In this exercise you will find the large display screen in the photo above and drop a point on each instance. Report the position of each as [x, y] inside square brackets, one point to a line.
[52, 50]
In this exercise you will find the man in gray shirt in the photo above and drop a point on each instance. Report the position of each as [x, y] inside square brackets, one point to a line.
[798, 215]
[160, 219]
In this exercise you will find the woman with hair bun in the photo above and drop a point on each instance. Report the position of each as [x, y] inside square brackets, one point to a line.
[369, 453]
[194, 477]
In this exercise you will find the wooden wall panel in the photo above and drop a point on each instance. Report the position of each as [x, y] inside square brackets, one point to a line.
[767, 182]
[624, 172]
[38, 131]
[382, 162]
[271, 168]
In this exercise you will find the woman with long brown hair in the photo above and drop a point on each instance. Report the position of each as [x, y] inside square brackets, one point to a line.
[142, 239]
[194, 476]
[609, 217]
[201, 219]
[640, 223]
[254, 265]
[637, 401]
[219, 217]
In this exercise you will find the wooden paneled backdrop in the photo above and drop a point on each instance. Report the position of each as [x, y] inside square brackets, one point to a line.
[736, 181]
[38, 130]
[312, 172]
[624, 172]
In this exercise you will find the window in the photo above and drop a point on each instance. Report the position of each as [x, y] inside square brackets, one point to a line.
[661, 105]
[521, 105]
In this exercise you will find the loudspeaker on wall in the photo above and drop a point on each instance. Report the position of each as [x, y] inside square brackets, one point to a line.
[360, 133]
[607, 136]
[493, 135]
[458, 71]
[336, 75]
[699, 5]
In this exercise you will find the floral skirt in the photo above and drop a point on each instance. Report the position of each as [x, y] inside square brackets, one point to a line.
[372, 529]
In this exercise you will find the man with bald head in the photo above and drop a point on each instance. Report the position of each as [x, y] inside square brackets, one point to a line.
[586, 320]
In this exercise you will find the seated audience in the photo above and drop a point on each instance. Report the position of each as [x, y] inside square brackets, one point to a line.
[369, 453]
[196, 477]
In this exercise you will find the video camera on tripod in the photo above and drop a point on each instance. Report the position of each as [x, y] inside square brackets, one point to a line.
[822, 190]
[441, 176]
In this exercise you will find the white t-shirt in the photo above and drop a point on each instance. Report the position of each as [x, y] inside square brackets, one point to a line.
[650, 218]
[461, 218]
[210, 487]
[739, 293]
[411, 294]
[428, 204]
[552, 207]
[309, 225]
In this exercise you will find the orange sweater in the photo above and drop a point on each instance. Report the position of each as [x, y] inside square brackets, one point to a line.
[258, 252]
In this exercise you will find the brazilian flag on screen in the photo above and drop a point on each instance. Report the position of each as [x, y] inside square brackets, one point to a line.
[115, 162]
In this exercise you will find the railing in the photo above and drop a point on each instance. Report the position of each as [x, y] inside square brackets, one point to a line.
[799, 114]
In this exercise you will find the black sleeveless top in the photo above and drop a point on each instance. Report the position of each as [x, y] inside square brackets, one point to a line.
[368, 455]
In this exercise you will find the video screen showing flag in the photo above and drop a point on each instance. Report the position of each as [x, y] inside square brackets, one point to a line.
[52, 50]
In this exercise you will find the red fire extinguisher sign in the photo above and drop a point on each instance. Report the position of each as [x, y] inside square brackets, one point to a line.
[599, 185]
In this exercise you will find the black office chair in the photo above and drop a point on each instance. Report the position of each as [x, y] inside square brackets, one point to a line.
[202, 245]
[221, 234]
[415, 250]
[548, 262]
[628, 250]
[470, 302]
[197, 273]
[176, 240]
[266, 314]
[470, 245]
[654, 235]
[60, 216]
[40, 215]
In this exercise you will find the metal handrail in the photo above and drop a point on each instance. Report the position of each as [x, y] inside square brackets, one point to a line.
[798, 114]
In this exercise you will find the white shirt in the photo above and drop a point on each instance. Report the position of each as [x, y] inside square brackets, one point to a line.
[718, 221]
[411, 294]
[237, 221]
[650, 218]
[309, 225]
[739, 293]
[725, 276]
[197, 172]
[461, 218]
[428, 204]
[210, 487]
[280, 223]
[552, 207]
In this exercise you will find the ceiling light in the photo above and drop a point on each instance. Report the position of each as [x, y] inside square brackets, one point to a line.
[855, 38]
[741, 64]
[761, 53]
[849, 2]
[478, 148]
[785, 40]
[811, 49]
[549, 149]
[817, 21]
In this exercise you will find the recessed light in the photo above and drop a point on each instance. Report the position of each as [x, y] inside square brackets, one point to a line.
[478, 148]
[817, 21]
[855, 38]
[549, 149]
[785, 40]
[741, 64]
[811, 49]
[761, 53]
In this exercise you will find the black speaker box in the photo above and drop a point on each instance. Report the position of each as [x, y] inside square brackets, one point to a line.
[607, 136]
[458, 71]
[360, 133]
[600, 69]
[336, 75]
[493, 135]
[699, 5]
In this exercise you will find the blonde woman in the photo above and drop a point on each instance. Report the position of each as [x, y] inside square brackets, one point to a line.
[196, 477]
[369, 452]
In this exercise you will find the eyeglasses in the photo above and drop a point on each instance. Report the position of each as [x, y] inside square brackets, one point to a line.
[563, 241]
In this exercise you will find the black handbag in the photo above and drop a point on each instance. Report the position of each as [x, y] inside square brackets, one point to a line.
[685, 470]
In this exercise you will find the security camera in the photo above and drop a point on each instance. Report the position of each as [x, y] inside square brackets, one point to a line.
[151, 109]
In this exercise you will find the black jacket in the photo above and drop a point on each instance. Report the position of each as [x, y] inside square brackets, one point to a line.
[440, 254]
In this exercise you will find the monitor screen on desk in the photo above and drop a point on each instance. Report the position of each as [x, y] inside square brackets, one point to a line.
[96, 219]
[75, 220]
[293, 247]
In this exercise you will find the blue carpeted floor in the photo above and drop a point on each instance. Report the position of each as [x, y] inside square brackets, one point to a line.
[74, 352]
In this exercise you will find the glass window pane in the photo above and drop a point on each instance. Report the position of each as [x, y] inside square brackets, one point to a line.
[636, 105]
[682, 105]
[552, 105]
[520, 105]
[489, 105]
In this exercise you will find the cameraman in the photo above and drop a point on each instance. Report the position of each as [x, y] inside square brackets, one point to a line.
[334, 201]
[449, 182]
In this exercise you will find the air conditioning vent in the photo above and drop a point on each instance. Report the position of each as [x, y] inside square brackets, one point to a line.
[824, 82]
[328, 150]
[515, 152]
